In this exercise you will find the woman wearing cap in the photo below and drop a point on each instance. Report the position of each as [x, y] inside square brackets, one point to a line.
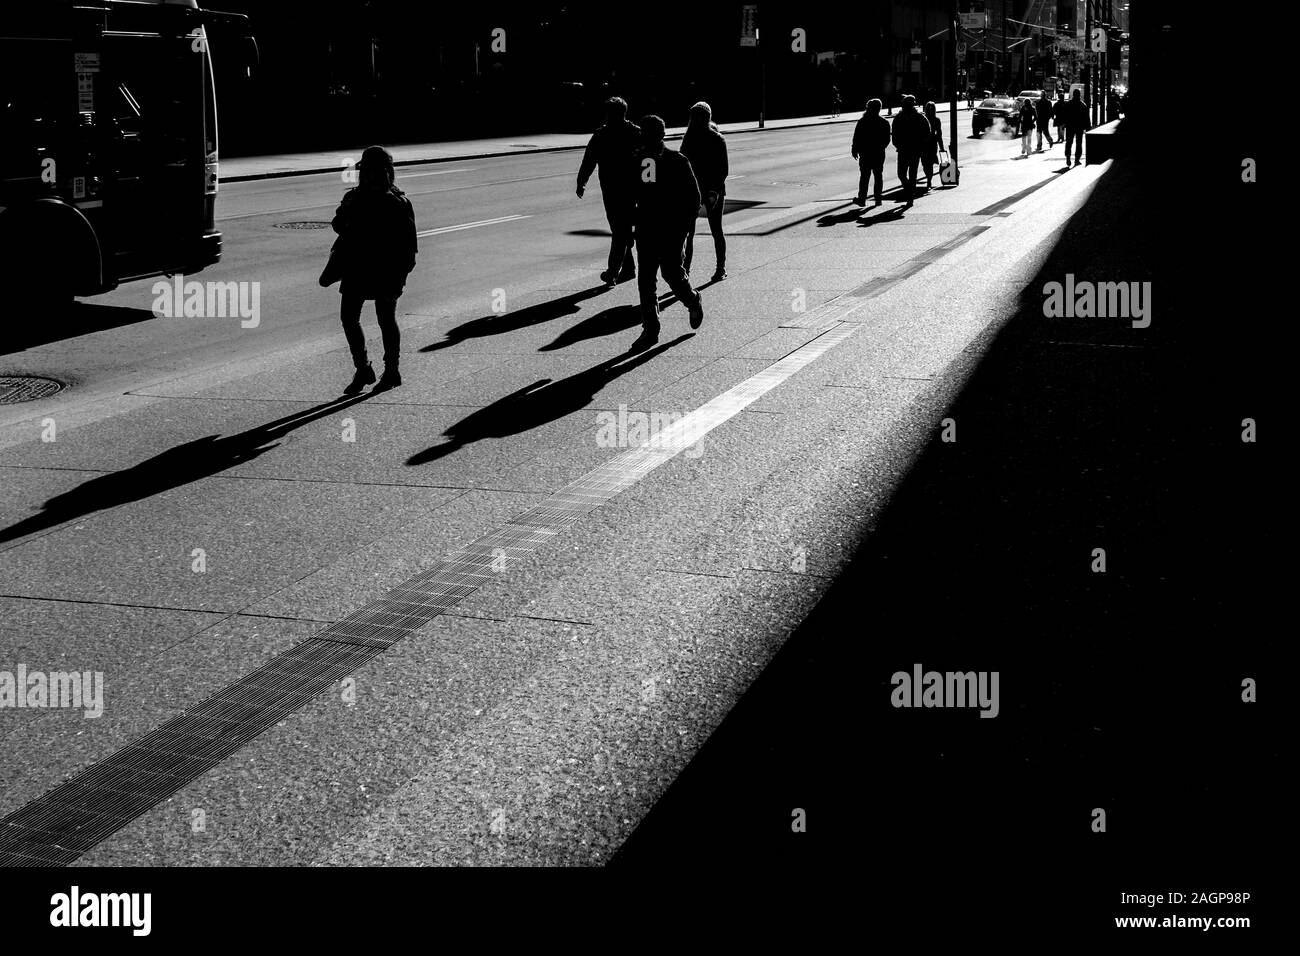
[704, 146]
[376, 227]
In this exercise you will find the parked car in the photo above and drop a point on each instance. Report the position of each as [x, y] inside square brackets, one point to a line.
[1003, 111]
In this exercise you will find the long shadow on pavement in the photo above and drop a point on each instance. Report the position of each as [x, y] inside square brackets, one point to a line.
[514, 321]
[173, 468]
[535, 405]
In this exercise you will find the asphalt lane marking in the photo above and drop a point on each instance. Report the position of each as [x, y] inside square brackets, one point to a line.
[468, 225]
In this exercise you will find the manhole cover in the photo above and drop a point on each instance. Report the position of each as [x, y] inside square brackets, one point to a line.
[26, 388]
[307, 224]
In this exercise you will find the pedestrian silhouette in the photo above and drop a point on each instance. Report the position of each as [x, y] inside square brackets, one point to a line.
[704, 146]
[1027, 117]
[870, 141]
[1074, 117]
[612, 149]
[1043, 109]
[933, 143]
[374, 254]
[910, 134]
[668, 200]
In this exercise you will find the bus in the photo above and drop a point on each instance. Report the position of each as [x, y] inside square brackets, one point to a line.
[108, 144]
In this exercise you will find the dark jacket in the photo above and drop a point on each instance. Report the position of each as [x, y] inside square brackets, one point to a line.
[935, 141]
[613, 148]
[1058, 112]
[1043, 107]
[707, 151]
[1027, 117]
[910, 133]
[377, 230]
[669, 202]
[1075, 114]
[871, 138]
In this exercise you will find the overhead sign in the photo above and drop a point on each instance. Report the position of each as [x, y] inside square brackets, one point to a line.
[974, 21]
[1098, 40]
[86, 62]
[749, 24]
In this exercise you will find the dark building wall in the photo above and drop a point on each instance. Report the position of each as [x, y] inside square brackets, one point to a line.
[336, 73]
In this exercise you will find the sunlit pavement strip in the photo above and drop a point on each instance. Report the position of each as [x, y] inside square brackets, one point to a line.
[71, 819]
[100, 800]
[468, 225]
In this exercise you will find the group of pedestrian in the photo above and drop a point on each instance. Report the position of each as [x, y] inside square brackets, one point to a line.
[652, 197]
[917, 137]
[1070, 117]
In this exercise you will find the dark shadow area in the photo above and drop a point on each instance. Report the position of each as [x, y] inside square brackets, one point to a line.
[1119, 690]
[514, 321]
[66, 321]
[889, 215]
[608, 322]
[195, 460]
[839, 219]
[538, 404]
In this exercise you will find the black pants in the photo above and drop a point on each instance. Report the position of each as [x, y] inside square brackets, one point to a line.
[907, 175]
[719, 240]
[619, 210]
[1073, 135]
[656, 252]
[869, 166]
[386, 310]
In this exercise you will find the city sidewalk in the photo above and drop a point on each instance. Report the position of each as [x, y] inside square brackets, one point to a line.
[243, 168]
[198, 536]
[1070, 434]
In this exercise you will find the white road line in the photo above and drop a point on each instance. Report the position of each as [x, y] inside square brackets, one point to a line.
[439, 172]
[468, 225]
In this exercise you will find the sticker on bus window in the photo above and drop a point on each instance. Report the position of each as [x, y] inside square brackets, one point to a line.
[78, 187]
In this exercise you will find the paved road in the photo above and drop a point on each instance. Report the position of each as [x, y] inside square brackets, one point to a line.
[553, 236]
[542, 715]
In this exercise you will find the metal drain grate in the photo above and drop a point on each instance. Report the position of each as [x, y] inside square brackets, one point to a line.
[55, 829]
[26, 388]
[304, 224]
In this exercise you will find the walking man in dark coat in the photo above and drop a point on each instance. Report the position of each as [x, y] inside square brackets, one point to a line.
[1044, 110]
[870, 140]
[704, 146]
[1074, 117]
[667, 201]
[911, 133]
[613, 148]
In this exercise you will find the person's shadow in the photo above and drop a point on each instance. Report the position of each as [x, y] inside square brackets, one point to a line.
[538, 404]
[173, 468]
[513, 321]
[608, 322]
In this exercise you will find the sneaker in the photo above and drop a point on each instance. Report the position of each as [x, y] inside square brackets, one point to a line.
[390, 379]
[697, 312]
[362, 378]
[607, 277]
[859, 201]
[719, 275]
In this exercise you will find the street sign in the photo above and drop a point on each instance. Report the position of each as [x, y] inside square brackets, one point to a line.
[1098, 40]
[974, 21]
[961, 49]
[749, 24]
[916, 51]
